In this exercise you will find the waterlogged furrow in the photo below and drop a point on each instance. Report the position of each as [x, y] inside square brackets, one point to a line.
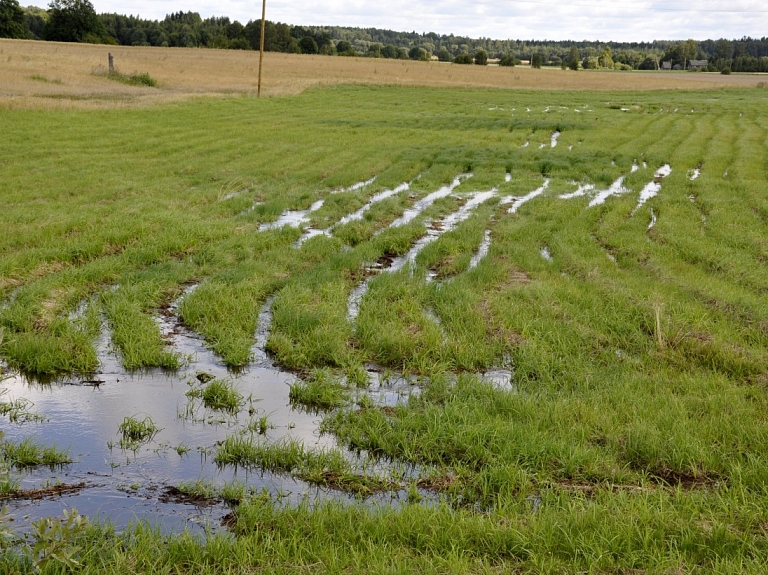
[553, 139]
[355, 187]
[413, 212]
[653, 188]
[263, 329]
[443, 226]
[310, 233]
[482, 251]
[582, 190]
[292, 218]
[518, 201]
[380, 197]
[616, 189]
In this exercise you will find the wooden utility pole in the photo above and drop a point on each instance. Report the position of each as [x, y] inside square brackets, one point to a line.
[261, 44]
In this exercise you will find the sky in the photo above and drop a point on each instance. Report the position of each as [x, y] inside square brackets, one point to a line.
[619, 21]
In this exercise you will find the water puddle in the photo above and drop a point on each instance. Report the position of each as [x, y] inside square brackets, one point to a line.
[380, 197]
[434, 232]
[653, 188]
[482, 251]
[527, 143]
[616, 189]
[653, 220]
[694, 174]
[355, 187]
[582, 190]
[546, 254]
[124, 482]
[413, 212]
[553, 139]
[518, 201]
[293, 218]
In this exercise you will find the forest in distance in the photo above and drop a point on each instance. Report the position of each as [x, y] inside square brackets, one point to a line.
[77, 21]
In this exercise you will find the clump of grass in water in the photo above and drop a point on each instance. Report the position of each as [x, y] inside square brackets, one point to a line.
[28, 454]
[328, 467]
[134, 432]
[218, 394]
[18, 411]
[320, 391]
[135, 79]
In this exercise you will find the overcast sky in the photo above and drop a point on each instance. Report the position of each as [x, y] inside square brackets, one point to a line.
[619, 21]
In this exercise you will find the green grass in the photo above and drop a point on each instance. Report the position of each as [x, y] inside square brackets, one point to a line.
[219, 394]
[134, 79]
[635, 439]
[28, 453]
[133, 431]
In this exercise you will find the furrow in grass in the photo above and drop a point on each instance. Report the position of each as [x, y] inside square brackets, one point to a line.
[438, 229]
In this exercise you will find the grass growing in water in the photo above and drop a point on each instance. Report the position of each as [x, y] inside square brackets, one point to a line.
[28, 453]
[134, 432]
[218, 394]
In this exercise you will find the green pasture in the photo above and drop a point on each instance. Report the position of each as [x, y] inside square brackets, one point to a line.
[635, 438]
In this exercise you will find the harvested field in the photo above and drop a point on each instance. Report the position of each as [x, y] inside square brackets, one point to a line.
[60, 75]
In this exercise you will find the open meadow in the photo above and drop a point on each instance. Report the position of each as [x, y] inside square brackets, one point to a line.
[396, 316]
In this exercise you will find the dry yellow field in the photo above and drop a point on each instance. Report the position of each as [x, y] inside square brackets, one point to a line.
[51, 74]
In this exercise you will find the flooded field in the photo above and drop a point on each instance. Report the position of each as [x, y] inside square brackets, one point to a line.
[384, 329]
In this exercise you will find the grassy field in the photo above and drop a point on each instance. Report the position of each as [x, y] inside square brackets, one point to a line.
[633, 438]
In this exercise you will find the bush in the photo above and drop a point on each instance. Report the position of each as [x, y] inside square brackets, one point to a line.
[481, 57]
[463, 58]
[507, 60]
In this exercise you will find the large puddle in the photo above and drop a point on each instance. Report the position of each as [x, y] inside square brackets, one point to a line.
[110, 480]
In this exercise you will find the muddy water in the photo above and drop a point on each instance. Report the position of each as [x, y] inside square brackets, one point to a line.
[482, 251]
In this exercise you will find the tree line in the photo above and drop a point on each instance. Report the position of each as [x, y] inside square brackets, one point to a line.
[77, 21]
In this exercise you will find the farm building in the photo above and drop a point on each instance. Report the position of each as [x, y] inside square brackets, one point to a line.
[697, 64]
[666, 65]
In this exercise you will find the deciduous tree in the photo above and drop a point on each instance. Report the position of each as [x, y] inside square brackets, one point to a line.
[11, 20]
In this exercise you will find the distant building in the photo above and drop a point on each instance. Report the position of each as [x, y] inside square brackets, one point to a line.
[666, 65]
[677, 67]
[697, 64]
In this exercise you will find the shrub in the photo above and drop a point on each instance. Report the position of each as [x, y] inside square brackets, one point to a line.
[481, 57]
[463, 58]
[507, 60]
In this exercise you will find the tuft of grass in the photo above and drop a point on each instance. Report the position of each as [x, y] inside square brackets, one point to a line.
[135, 431]
[218, 394]
[134, 79]
[27, 453]
[320, 391]
[328, 467]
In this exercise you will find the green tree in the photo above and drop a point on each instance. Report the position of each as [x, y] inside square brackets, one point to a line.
[536, 60]
[606, 58]
[463, 58]
[390, 51]
[11, 20]
[74, 21]
[507, 60]
[418, 53]
[574, 58]
[481, 57]
[444, 55]
[308, 45]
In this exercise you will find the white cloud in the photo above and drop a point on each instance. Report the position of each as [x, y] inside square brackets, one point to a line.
[498, 19]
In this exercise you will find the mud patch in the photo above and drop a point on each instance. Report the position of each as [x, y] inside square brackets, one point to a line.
[44, 492]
